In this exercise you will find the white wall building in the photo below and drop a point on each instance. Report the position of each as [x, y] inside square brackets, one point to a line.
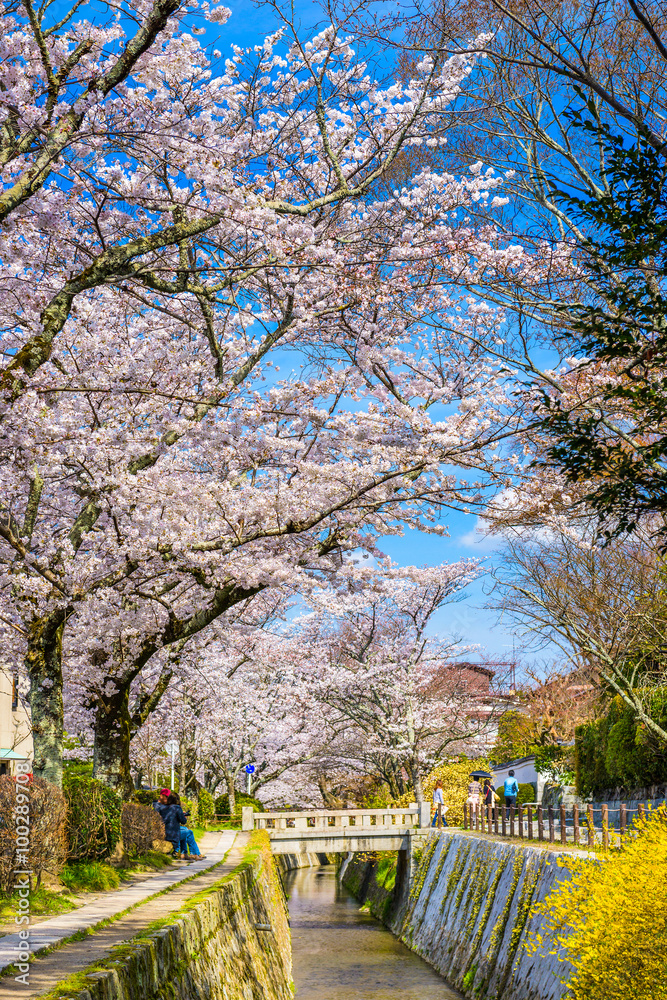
[15, 728]
[524, 772]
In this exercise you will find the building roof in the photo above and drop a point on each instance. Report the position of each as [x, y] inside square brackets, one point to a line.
[515, 762]
[477, 667]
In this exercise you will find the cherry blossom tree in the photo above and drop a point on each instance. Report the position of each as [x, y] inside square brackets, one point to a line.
[238, 702]
[156, 469]
[396, 691]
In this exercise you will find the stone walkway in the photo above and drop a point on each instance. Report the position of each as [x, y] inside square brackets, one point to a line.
[76, 955]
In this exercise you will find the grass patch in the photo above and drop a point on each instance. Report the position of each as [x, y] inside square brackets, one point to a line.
[90, 876]
[227, 824]
[386, 869]
[152, 860]
[42, 902]
[84, 876]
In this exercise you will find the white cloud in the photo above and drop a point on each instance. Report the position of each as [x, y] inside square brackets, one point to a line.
[480, 540]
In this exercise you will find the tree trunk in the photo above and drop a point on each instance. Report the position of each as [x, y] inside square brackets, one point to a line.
[231, 792]
[181, 769]
[417, 782]
[44, 665]
[116, 724]
[392, 774]
[390, 780]
[113, 732]
[330, 799]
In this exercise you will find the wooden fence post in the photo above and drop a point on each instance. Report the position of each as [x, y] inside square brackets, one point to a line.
[477, 817]
[540, 823]
[622, 818]
[591, 826]
[551, 825]
[575, 824]
[520, 809]
[482, 811]
[465, 815]
[489, 818]
[563, 825]
[495, 819]
[439, 816]
[511, 821]
[530, 822]
[605, 826]
[504, 819]
[640, 812]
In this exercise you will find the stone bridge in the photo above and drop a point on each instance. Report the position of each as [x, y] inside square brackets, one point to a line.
[339, 831]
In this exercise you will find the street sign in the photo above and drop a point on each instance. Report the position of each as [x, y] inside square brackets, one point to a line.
[250, 769]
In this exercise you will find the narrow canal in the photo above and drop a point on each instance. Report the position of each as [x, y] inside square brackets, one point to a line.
[342, 953]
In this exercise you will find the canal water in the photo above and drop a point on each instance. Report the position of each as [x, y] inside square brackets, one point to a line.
[340, 952]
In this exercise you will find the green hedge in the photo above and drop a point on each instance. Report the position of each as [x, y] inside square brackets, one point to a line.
[145, 796]
[526, 793]
[93, 818]
[222, 804]
[205, 807]
[614, 752]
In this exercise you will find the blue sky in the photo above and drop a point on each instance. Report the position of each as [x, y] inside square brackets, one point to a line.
[469, 618]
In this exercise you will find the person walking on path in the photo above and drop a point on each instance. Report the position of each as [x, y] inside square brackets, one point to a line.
[489, 794]
[474, 793]
[511, 791]
[187, 841]
[439, 803]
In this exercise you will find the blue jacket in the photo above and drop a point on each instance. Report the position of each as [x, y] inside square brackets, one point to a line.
[173, 816]
[511, 787]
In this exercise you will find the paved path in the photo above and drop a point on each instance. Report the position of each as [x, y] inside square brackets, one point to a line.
[78, 954]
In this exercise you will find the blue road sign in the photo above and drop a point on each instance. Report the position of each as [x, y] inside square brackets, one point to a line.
[250, 769]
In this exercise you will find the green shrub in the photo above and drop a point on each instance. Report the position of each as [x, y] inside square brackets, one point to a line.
[205, 807]
[222, 804]
[615, 751]
[145, 796]
[517, 735]
[555, 764]
[93, 818]
[526, 793]
[89, 876]
[188, 805]
[78, 768]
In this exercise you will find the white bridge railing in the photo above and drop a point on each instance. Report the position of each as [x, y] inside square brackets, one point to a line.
[335, 820]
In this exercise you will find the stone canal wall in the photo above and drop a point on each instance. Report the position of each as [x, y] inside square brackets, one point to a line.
[468, 914]
[231, 942]
[289, 862]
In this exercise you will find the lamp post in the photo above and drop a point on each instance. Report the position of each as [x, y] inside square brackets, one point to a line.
[171, 746]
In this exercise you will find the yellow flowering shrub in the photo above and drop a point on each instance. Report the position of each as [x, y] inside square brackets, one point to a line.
[610, 919]
[455, 777]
